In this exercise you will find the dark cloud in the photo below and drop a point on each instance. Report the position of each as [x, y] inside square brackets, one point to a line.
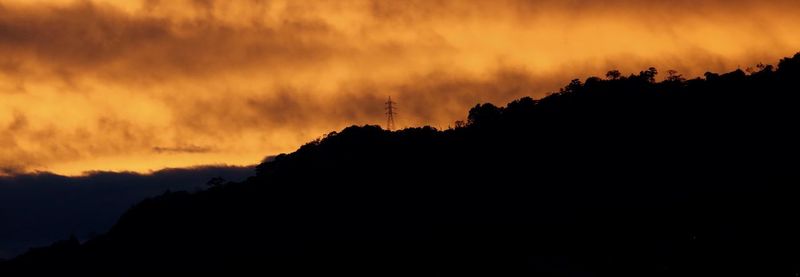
[11, 170]
[37, 209]
[183, 149]
[94, 38]
[105, 80]
[18, 123]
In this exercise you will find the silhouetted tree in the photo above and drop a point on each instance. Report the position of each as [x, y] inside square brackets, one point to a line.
[573, 86]
[673, 76]
[484, 114]
[649, 74]
[613, 75]
[710, 76]
[790, 65]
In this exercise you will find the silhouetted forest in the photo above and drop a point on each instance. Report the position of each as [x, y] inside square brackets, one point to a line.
[614, 176]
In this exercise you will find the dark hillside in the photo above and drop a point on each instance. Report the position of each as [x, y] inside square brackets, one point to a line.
[622, 176]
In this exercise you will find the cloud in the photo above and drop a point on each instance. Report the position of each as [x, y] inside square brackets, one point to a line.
[134, 85]
[37, 209]
[184, 149]
[89, 38]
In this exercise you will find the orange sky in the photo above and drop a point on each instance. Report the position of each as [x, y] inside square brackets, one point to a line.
[145, 84]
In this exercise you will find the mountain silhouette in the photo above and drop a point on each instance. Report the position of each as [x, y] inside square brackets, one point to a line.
[622, 176]
[39, 208]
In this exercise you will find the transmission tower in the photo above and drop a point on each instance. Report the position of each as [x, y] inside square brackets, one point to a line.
[390, 113]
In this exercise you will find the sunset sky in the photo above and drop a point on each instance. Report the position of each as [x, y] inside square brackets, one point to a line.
[142, 85]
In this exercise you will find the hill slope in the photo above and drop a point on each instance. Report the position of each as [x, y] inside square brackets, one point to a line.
[609, 177]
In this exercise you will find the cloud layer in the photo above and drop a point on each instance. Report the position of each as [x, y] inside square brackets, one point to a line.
[141, 85]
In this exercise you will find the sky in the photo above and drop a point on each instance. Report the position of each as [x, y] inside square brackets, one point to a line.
[142, 85]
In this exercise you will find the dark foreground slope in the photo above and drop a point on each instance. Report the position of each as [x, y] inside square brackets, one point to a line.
[622, 177]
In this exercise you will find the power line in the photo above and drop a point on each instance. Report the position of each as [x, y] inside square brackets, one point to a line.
[390, 113]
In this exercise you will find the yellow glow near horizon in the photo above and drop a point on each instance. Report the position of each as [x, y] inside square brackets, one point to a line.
[146, 84]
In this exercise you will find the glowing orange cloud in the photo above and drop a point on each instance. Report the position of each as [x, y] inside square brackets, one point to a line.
[142, 85]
